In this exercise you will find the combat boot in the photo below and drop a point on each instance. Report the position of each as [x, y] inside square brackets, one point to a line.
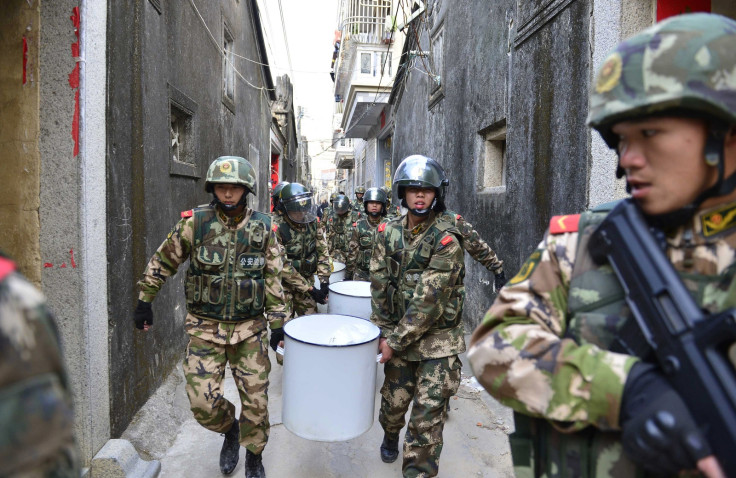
[253, 465]
[389, 449]
[230, 452]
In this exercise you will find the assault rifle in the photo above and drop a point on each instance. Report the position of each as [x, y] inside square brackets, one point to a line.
[691, 346]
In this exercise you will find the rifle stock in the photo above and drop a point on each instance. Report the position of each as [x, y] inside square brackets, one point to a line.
[691, 347]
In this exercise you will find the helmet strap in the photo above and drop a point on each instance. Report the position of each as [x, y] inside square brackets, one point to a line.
[230, 207]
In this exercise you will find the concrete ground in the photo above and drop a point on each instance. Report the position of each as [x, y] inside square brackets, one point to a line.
[475, 436]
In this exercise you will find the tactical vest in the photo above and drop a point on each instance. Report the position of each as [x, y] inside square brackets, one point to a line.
[366, 236]
[405, 264]
[300, 246]
[341, 229]
[596, 311]
[225, 280]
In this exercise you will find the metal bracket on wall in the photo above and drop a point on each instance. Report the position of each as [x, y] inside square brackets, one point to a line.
[418, 11]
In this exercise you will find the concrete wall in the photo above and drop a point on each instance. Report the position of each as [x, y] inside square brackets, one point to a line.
[528, 68]
[19, 116]
[153, 56]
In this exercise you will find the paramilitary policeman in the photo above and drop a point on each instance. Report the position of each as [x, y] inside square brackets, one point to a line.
[417, 271]
[665, 100]
[36, 415]
[340, 227]
[232, 280]
[303, 239]
[358, 203]
[363, 232]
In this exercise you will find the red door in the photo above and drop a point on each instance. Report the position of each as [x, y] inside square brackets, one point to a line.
[670, 8]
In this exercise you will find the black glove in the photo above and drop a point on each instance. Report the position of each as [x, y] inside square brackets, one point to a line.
[143, 314]
[659, 434]
[277, 335]
[325, 288]
[499, 281]
[318, 295]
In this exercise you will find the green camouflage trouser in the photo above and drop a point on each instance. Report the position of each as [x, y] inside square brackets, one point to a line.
[204, 369]
[429, 384]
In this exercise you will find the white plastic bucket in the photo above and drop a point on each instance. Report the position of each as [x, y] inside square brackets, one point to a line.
[350, 298]
[337, 275]
[329, 376]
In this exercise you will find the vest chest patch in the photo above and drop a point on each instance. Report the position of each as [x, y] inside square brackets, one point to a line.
[252, 261]
[718, 221]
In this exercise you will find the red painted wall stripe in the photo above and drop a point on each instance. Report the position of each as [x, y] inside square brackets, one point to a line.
[74, 80]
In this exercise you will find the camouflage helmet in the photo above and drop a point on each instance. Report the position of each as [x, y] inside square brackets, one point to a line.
[375, 195]
[420, 171]
[230, 170]
[360, 190]
[684, 64]
[342, 204]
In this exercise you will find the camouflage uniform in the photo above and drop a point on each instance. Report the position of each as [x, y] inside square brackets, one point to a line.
[233, 277]
[542, 347]
[339, 231]
[36, 416]
[360, 247]
[417, 298]
[307, 255]
[478, 249]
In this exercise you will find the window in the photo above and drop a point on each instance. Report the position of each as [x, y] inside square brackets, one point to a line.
[228, 69]
[365, 63]
[492, 176]
[182, 134]
[385, 63]
[436, 80]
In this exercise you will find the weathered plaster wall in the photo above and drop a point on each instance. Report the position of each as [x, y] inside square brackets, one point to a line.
[151, 54]
[19, 116]
[530, 69]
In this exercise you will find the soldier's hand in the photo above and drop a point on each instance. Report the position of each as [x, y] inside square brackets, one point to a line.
[499, 280]
[318, 295]
[387, 353]
[658, 432]
[324, 286]
[277, 336]
[143, 315]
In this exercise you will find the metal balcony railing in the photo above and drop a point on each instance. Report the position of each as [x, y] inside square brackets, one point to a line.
[365, 21]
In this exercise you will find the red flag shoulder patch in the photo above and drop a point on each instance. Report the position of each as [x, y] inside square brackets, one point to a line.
[446, 240]
[188, 213]
[6, 267]
[458, 217]
[562, 224]
[275, 227]
[355, 224]
[382, 227]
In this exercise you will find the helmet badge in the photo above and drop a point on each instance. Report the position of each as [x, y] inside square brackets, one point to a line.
[610, 74]
[226, 167]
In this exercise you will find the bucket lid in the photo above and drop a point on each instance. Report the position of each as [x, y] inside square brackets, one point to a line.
[337, 266]
[352, 288]
[331, 330]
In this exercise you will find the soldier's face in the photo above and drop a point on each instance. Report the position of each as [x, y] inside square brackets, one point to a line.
[373, 206]
[664, 161]
[229, 193]
[419, 198]
[359, 196]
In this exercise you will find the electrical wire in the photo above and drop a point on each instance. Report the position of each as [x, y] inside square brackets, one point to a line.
[286, 41]
[222, 52]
